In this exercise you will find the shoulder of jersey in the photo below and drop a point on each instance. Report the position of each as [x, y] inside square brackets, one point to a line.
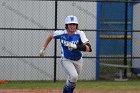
[79, 31]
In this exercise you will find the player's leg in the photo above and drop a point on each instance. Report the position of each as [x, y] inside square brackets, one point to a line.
[72, 77]
[72, 69]
[78, 65]
[69, 87]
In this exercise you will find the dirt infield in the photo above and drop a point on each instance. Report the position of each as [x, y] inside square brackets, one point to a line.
[59, 91]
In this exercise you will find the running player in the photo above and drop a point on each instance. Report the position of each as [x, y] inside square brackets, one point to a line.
[73, 42]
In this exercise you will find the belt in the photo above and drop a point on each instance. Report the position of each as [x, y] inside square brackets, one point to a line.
[75, 59]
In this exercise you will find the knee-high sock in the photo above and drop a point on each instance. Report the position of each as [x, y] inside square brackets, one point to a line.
[69, 87]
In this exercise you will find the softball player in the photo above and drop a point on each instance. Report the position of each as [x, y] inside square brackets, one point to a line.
[73, 42]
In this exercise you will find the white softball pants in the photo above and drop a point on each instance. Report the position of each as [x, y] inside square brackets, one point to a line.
[72, 68]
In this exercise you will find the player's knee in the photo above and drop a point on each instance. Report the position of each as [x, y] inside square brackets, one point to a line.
[74, 78]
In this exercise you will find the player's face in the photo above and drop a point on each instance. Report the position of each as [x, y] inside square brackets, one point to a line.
[72, 27]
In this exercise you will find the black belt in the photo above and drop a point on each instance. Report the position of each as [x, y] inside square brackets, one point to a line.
[75, 59]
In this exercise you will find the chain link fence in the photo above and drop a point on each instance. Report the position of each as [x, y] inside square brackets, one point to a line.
[26, 23]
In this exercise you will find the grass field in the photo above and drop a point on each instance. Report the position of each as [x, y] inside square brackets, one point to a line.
[81, 85]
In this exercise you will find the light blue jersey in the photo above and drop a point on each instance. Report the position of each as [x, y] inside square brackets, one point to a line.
[78, 38]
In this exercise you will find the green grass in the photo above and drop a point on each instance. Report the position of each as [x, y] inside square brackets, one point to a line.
[110, 85]
[84, 85]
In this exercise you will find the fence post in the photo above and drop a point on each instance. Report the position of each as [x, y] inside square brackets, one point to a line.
[55, 48]
[125, 38]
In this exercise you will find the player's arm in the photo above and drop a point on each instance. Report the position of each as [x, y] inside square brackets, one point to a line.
[47, 41]
[85, 47]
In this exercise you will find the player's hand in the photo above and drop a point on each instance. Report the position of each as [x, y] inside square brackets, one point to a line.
[42, 52]
[71, 45]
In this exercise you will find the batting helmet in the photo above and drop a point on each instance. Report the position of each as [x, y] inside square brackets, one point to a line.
[71, 19]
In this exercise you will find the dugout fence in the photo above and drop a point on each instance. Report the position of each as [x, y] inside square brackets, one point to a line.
[25, 25]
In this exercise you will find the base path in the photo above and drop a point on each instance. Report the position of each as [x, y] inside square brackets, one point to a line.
[60, 91]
